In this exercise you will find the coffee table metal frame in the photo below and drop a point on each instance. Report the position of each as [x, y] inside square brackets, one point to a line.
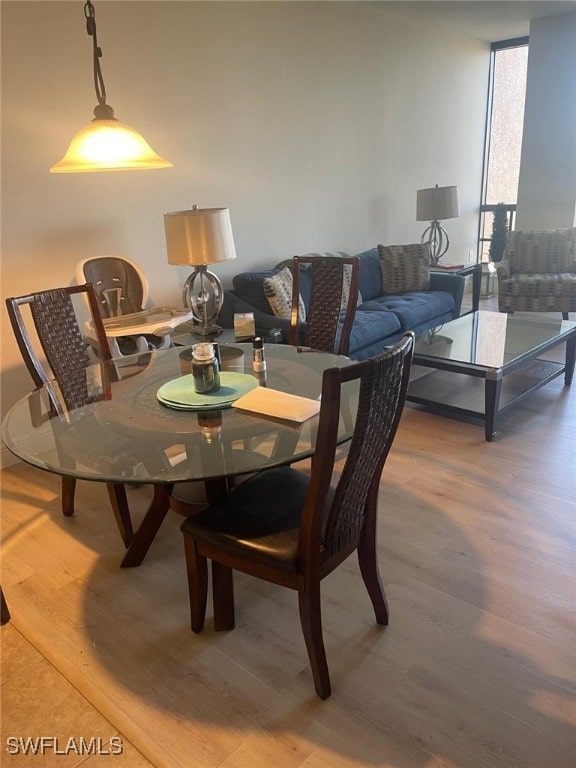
[494, 375]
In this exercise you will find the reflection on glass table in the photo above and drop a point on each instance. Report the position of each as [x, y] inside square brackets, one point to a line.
[129, 436]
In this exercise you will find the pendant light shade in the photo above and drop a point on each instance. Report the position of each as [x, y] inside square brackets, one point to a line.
[106, 144]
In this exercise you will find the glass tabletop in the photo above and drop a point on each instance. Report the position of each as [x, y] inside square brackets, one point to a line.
[491, 339]
[125, 434]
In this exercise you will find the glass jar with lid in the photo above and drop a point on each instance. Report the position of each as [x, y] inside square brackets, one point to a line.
[205, 370]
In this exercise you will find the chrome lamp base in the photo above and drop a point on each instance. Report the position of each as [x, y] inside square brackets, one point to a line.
[203, 295]
[436, 235]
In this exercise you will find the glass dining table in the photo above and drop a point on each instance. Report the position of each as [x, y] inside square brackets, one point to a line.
[126, 434]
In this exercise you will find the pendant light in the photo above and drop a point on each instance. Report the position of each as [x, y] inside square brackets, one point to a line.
[106, 144]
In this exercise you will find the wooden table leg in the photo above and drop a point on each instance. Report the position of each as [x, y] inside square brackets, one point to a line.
[148, 528]
[4, 612]
[119, 502]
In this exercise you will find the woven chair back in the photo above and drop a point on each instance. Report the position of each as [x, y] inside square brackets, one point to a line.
[383, 385]
[61, 340]
[333, 298]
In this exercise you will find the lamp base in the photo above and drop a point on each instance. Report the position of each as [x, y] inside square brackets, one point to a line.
[206, 332]
[436, 235]
[203, 295]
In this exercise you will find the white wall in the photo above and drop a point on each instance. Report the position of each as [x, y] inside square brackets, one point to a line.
[315, 123]
[547, 183]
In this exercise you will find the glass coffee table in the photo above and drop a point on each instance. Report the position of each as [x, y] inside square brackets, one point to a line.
[485, 362]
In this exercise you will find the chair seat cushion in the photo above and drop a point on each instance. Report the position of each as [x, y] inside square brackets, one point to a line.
[259, 518]
[539, 285]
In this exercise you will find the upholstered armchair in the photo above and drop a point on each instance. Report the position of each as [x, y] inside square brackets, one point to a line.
[538, 272]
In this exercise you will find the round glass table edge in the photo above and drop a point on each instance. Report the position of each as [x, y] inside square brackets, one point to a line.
[46, 448]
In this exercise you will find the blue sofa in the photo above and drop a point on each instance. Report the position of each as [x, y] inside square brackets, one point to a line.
[380, 320]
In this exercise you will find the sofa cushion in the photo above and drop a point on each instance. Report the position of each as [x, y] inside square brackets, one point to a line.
[249, 286]
[405, 267]
[369, 274]
[278, 291]
[371, 327]
[413, 308]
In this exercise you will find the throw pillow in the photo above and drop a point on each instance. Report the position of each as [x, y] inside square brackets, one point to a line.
[405, 267]
[278, 291]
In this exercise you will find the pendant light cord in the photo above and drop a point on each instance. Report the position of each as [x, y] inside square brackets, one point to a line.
[103, 110]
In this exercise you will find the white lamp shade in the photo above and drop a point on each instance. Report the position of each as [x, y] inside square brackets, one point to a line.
[199, 237]
[108, 145]
[437, 203]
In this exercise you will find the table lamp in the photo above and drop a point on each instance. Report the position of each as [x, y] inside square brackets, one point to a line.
[200, 237]
[434, 205]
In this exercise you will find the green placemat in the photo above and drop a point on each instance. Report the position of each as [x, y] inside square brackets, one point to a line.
[180, 393]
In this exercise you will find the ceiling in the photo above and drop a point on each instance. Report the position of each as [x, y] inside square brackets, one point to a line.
[489, 20]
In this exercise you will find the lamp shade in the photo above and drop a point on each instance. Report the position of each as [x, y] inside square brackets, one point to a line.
[437, 203]
[108, 145]
[199, 237]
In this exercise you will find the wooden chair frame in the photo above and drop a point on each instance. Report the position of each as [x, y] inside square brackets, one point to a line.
[67, 395]
[321, 544]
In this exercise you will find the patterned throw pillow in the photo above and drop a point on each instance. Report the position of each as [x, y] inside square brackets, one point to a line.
[278, 291]
[404, 267]
[346, 282]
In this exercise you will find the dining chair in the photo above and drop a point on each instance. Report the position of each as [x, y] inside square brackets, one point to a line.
[331, 284]
[63, 372]
[293, 529]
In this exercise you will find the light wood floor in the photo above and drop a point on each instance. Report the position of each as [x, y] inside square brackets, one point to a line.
[476, 670]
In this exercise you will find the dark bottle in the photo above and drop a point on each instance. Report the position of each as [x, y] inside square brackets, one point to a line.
[205, 369]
